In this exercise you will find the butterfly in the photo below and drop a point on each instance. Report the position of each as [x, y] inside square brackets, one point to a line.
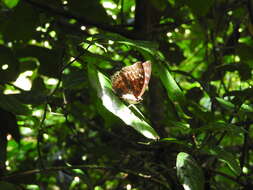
[131, 81]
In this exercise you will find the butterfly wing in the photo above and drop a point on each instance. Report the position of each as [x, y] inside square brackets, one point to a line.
[119, 84]
[147, 67]
[134, 78]
[129, 80]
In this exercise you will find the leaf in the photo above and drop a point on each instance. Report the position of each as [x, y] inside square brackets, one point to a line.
[112, 103]
[173, 90]
[189, 173]
[11, 104]
[175, 94]
[10, 3]
[109, 118]
[127, 6]
[226, 157]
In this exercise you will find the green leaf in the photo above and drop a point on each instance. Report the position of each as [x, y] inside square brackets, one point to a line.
[173, 90]
[175, 94]
[189, 173]
[10, 3]
[11, 104]
[112, 103]
[127, 6]
[226, 157]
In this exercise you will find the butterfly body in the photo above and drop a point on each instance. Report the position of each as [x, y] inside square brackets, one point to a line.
[131, 82]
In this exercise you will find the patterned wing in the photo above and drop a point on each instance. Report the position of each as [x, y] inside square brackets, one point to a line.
[129, 80]
[147, 74]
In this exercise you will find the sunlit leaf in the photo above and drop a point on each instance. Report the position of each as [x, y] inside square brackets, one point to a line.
[10, 3]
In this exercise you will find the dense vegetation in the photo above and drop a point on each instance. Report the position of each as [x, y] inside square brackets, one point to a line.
[62, 126]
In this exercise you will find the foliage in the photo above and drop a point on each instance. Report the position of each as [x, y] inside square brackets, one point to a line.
[62, 127]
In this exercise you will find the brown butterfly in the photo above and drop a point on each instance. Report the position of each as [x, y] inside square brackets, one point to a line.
[131, 82]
